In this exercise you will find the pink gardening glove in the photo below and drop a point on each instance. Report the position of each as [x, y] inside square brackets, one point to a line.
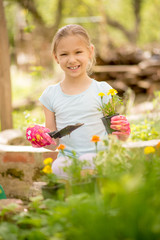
[38, 136]
[121, 124]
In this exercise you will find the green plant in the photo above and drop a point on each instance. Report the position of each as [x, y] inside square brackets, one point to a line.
[114, 160]
[109, 108]
[49, 177]
[37, 72]
[127, 207]
[74, 168]
[145, 130]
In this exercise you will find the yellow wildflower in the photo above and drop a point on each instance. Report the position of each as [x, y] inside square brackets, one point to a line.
[112, 92]
[95, 138]
[0, 191]
[149, 150]
[101, 94]
[47, 161]
[47, 169]
[61, 147]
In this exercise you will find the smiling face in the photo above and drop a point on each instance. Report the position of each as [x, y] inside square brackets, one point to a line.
[73, 55]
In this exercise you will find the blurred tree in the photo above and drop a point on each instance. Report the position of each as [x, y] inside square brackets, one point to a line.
[5, 83]
[36, 23]
[31, 6]
[116, 22]
[131, 35]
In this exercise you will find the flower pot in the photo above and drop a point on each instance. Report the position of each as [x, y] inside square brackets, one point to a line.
[107, 122]
[57, 191]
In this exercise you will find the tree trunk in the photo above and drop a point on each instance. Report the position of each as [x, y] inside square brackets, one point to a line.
[5, 81]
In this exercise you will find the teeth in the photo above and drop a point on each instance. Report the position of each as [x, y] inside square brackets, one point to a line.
[73, 68]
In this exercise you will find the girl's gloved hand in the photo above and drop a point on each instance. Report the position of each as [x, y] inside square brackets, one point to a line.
[38, 136]
[121, 124]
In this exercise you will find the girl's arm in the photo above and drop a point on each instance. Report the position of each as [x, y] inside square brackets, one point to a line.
[50, 123]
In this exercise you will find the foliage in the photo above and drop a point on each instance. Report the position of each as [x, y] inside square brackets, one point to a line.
[145, 130]
[36, 72]
[22, 118]
[126, 205]
[114, 160]
[122, 18]
[24, 96]
[109, 108]
[73, 169]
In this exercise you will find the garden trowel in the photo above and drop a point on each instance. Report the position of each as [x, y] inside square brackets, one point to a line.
[65, 131]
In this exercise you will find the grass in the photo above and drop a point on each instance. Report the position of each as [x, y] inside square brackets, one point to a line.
[28, 86]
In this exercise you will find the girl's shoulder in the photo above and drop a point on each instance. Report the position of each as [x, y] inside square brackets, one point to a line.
[51, 88]
[49, 95]
[102, 86]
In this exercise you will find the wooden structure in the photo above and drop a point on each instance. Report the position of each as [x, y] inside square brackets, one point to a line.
[141, 75]
[5, 82]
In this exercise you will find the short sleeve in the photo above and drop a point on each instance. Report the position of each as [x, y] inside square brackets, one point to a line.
[46, 98]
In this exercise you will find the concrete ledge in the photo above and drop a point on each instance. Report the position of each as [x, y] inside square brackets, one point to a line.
[18, 148]
[141, 144]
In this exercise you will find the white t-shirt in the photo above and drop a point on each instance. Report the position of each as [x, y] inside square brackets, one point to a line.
[79, 108]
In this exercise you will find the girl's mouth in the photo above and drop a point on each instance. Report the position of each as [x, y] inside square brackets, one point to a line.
[74, 68]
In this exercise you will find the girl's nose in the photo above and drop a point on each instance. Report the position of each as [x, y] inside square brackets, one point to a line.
[71, 59]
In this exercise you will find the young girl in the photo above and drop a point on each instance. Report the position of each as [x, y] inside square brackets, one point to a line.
[74, 100]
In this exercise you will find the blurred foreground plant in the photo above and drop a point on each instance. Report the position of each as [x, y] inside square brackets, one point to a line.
[145, 130]
[126, 207]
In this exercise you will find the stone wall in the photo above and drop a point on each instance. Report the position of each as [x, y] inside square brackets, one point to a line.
[20, 167]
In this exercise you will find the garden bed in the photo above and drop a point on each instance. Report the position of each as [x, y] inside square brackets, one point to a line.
[124, 203]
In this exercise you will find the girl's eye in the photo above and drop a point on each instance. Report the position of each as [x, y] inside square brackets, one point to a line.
[63, 54]
[79, 52]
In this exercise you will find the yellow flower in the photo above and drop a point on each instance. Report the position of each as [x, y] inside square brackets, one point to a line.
[61, 147]
[101, 94]
[112, 92]
[47, 169]
[0, 191]
[95, 138]
[149, 150]
[47, 161]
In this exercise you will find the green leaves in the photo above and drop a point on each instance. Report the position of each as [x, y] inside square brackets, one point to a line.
[144, 130]
[8, 231]
[112, 106]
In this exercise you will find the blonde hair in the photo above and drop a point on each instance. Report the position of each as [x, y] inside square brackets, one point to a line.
[73, 29]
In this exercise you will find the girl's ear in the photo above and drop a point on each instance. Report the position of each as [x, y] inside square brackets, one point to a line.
[55, 57]
[91, 51]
